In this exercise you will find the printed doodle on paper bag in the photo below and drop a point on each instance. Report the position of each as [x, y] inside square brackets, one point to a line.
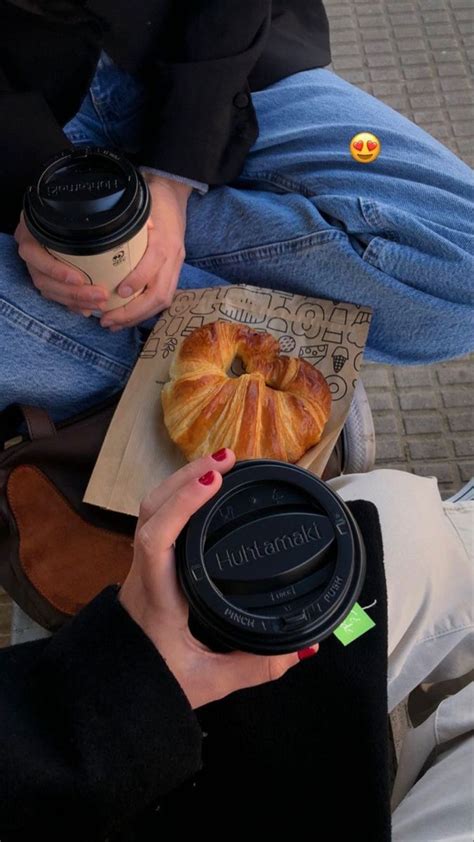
[287, 344]
[174, 326]
[152, 344]
[340, 356]
[337, 386]
[204, 307]
[352, 340]
[306, 320]
[277, 323]
[151, 348]
[358, 361]
[332, 336]
[313, 353]
[363, 317]
[240, 301]
[169, 346]
[181, 302]
[282, 299]
[338, 315]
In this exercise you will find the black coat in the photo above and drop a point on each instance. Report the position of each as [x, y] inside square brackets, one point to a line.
[200, 60]
[98, 740]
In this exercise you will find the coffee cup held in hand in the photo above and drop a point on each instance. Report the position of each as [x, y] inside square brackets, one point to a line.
[89, 208]
[273, 563]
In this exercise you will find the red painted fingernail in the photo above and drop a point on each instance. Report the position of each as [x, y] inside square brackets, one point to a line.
[220, 455]
[207, 479]
[307, 653]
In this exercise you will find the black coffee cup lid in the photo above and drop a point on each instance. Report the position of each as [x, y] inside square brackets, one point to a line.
[86, 201]
[273, 563]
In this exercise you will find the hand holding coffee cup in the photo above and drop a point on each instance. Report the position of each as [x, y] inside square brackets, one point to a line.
[55, 280]
[90, 242]
[89, 209]
[161, 264]
[152, 596]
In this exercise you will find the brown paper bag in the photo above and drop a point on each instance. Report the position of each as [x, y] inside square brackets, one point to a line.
[138, 452]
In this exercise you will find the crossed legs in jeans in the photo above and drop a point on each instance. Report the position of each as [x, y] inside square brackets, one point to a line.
[396, 234]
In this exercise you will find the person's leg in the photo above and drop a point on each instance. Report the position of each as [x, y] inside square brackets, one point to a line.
[429, 578]
[51, 357]
[428, 566]
[432, 797]
[396, 234]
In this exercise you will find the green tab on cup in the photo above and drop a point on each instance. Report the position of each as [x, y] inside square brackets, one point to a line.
[356, 623]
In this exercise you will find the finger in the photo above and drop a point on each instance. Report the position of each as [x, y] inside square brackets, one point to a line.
[154, 299]
[35, 255]
[223, 460]
[86, 313]
[151, 302]
[79, 297]
[156, 535]
[146, 269]
[243, 669]
[154, 551]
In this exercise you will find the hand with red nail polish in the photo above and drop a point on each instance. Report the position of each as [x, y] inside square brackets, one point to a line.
[220, 455]
[152, 596]
[308, 652]
[207, 478]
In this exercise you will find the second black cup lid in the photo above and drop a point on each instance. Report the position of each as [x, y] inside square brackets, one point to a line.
[274, 561]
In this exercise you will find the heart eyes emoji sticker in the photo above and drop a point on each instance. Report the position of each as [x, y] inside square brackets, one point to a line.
[365, 147]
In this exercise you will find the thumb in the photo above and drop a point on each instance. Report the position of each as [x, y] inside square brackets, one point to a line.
[247, 670]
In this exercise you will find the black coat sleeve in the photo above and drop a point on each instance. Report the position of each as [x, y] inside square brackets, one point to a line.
[201, 120]
[46, 66]
[93, 728]
[29, 136]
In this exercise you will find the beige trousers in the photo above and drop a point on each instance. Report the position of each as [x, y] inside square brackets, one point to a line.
[428, 564]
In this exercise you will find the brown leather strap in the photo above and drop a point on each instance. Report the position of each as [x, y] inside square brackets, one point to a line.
[37, 420]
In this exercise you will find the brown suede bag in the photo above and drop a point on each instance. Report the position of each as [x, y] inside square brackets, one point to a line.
[56, 552]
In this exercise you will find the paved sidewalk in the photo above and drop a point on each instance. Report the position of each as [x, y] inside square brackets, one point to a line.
[418, 57]
[424, 419]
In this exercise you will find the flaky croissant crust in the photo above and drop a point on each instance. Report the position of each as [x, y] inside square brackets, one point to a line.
[277, 409]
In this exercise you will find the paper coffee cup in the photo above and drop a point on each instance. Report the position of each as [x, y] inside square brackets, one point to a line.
[89, 208]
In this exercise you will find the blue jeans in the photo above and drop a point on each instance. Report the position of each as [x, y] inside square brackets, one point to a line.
[397, 234]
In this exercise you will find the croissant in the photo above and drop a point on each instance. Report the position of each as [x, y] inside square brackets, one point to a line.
[277, 409]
